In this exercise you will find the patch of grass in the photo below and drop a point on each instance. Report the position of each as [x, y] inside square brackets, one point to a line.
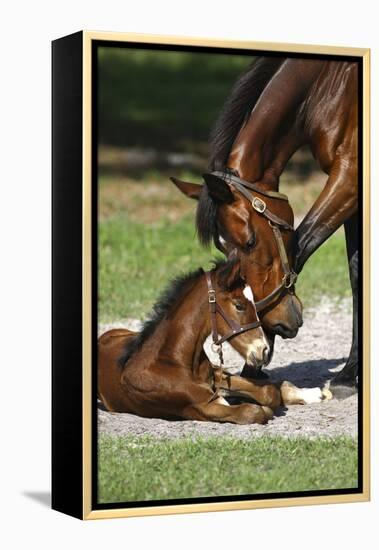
[326, 273]
[145, 201]
[141, 469]
[136, 262]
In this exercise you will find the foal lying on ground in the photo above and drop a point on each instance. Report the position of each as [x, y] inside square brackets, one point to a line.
[164, 372]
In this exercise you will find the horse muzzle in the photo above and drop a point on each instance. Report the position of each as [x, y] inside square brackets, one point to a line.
[259, 354]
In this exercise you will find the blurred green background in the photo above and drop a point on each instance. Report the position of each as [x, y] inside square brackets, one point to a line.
[162, 100]
[155, 112]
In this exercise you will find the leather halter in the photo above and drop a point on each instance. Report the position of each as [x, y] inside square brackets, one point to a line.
[277, 224]
[214, 307]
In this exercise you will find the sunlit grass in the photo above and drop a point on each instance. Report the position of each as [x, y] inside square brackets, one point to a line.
[136, 262]
[145, 469]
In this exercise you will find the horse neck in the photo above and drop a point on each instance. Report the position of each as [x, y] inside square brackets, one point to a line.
[182, 333]
[262, 148]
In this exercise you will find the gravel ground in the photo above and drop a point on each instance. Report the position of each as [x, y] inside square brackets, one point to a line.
[311, 359]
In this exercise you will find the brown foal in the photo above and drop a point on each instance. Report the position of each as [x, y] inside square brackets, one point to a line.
[164, 372]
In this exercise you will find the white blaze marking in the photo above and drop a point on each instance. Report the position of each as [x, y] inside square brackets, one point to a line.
[248, 293]
[258, 345]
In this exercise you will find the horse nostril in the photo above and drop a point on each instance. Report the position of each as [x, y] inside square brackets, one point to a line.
[284, 331]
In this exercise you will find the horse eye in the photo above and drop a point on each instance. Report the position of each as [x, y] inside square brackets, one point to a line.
[251, 242]
[240, 307]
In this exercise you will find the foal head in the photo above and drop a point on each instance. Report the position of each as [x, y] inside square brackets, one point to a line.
[236, 300]
[227, 217]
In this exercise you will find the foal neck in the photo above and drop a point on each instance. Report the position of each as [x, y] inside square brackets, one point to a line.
[187, 326]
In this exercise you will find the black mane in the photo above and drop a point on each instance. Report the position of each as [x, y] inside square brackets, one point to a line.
[244, 95]
[169, 297]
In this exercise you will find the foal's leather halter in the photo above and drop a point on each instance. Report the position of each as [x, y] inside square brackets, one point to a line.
[235, 330]
[276, 223]
[214, 307]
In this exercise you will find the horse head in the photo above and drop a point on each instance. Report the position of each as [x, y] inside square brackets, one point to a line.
[227, 217]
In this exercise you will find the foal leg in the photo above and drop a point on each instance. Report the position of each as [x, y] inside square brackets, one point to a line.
[292, 395]
[218, 410]
[272, 395]
[344, 383]
[264, 393]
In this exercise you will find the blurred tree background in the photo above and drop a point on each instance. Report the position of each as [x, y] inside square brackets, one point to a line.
[161, 99]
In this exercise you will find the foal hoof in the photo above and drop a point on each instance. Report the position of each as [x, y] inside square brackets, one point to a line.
[255, 374]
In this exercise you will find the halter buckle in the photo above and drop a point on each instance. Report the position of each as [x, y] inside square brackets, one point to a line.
[258, 204]
[289, 279]
[212, 296]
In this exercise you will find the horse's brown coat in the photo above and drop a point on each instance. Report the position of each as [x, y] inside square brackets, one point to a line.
[171, 377]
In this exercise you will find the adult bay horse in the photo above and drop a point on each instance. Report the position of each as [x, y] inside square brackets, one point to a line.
[164, 372]
[276, 107]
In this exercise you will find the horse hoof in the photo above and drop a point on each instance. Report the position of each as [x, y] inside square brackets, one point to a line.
[341, 391]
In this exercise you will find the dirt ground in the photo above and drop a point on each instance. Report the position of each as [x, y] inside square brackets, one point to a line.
[309, 360]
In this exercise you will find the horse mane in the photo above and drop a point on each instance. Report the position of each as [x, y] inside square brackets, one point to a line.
[244, 95]
[239, 104]
[169, 298]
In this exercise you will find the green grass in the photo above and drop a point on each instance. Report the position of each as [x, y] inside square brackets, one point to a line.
[138, 469]
[325, 273]
[137, 260]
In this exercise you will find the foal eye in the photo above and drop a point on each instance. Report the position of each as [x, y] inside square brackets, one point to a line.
[240, 307]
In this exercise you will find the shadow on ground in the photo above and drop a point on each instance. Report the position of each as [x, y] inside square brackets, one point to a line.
[42, 497]
[307, 373]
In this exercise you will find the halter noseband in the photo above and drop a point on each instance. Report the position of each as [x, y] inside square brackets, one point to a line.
[276, 223]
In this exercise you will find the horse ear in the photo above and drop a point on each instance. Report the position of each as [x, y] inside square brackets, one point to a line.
[191, 190]
[218, 189]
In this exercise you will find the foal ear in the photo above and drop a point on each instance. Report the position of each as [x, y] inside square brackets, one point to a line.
[230, 275]
[218, 189]
[191, 190]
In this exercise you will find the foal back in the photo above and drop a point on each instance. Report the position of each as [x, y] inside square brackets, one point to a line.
[110, 348]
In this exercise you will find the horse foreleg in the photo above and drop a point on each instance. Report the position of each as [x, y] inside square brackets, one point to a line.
[336, 204]
[344, 383]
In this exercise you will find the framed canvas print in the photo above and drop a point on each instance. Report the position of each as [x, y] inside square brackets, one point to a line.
[210, 275]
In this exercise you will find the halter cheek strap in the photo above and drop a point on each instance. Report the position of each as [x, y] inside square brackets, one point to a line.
[214, 307]
[236, 329]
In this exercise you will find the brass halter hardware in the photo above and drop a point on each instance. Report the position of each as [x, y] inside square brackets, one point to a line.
[259, 205]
